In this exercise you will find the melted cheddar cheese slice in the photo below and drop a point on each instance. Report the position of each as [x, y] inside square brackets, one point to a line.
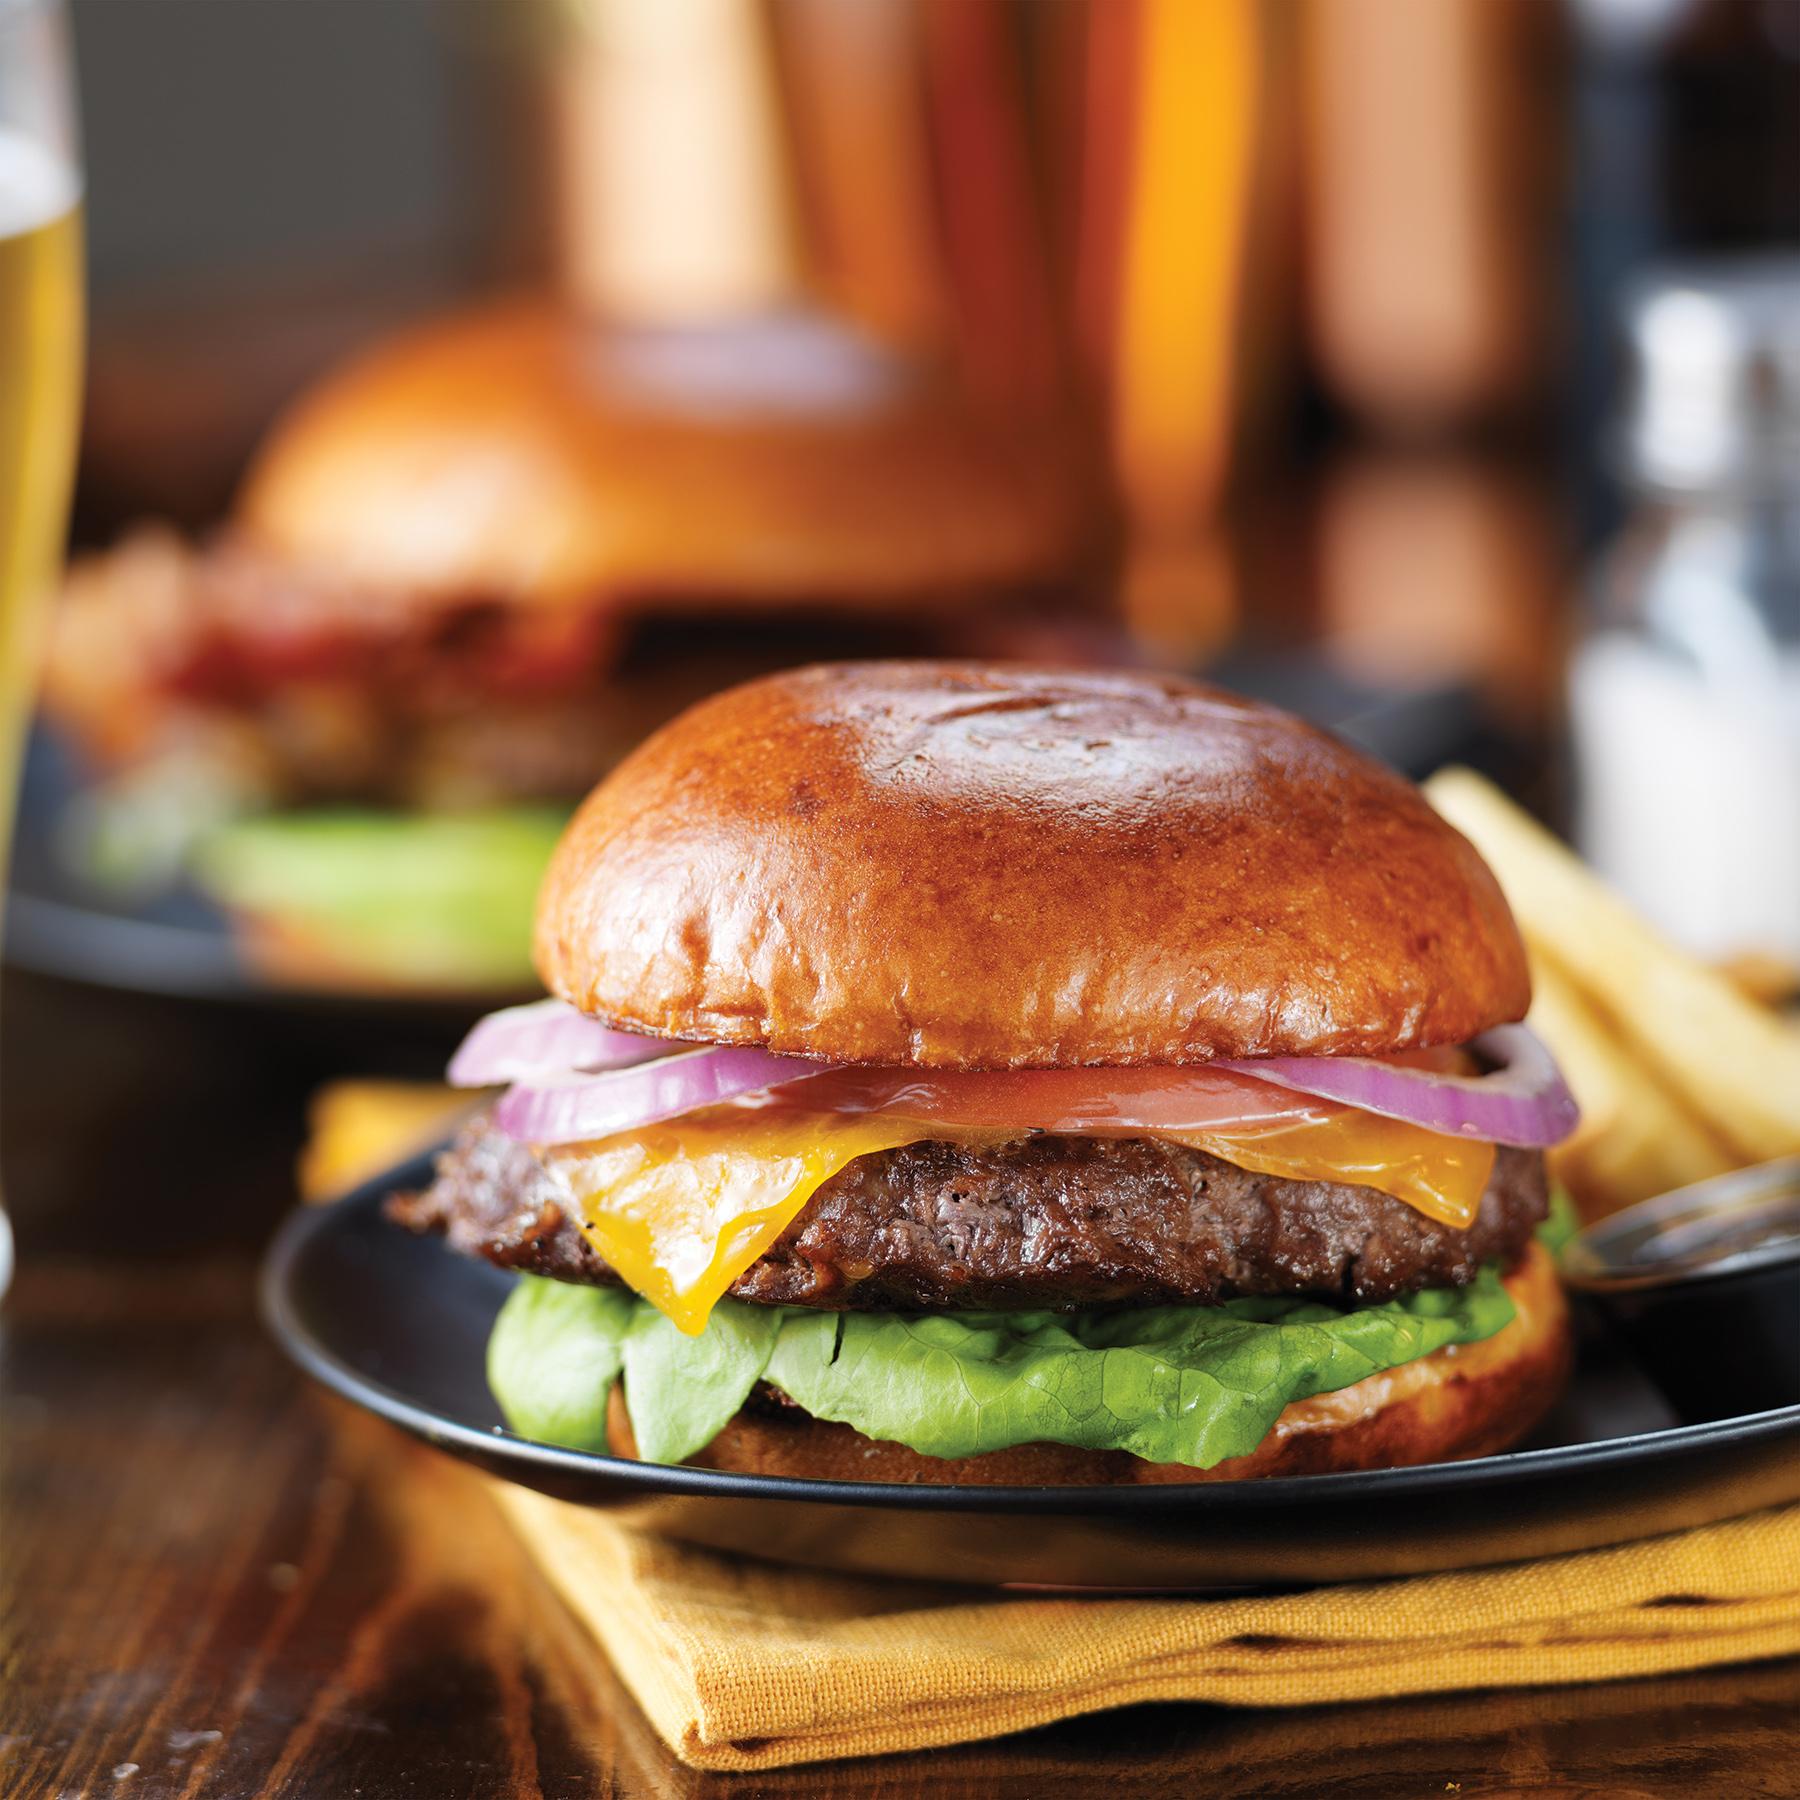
[682, 1209]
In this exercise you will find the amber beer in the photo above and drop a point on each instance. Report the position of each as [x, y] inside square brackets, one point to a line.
[40, 391]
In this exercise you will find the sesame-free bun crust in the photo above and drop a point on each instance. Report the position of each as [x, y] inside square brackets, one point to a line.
[516, 452]
[1463, 1401]
[969, 865]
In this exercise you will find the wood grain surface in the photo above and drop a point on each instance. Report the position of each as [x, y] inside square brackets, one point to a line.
[214, 1581]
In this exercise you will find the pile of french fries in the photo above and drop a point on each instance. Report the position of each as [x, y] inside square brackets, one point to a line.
[1678, 1073]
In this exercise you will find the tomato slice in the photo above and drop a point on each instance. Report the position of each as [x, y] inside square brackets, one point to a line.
[1070, 1102]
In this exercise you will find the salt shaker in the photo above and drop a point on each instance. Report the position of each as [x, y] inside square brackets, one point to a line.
[1685, 690]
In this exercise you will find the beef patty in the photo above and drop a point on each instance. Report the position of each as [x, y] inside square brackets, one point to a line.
[1060, 1222]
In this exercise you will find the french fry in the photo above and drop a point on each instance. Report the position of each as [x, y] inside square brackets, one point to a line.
[1636, 1138]
[1733, 1064]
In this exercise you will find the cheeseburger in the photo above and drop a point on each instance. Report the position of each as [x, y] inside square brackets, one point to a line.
[471, 568]
[966, 1072]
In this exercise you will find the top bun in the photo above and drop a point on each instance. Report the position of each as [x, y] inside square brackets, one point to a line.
[969, 865]
[518, 452]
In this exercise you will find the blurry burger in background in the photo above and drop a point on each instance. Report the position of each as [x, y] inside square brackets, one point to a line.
[965, 1072]
[471, 569]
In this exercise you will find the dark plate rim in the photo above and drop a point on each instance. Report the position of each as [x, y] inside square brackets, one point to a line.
[146, 956]
[306, 1224]
[63, 940]
[55, 927]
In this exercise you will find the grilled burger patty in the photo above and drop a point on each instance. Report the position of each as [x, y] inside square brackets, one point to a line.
[1060, 1222]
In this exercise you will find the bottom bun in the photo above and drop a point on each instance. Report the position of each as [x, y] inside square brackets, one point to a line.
[1466, 1400]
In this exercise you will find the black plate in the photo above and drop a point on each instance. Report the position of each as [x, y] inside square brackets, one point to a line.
[58, 923]
[399, 1325]
[173, 942]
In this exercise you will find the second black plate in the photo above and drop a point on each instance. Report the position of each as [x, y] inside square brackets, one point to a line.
[174, 942]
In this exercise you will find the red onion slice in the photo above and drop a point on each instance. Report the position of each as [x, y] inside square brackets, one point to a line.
[1521, 1100]
[575, 1079]
[548, 1037]
[568, 1111]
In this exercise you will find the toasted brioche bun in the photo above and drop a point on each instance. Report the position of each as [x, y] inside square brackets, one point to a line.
[516, 452]
[969, 865]
[1467, 1400]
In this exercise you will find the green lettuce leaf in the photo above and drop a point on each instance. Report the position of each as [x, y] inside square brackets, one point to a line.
[430, 898]
[1180, 1384]
[1561, 1223]
[555, 1352]
[1184, 1384]
[683, 1390]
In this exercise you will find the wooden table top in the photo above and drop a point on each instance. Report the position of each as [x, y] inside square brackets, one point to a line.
[215, 1581]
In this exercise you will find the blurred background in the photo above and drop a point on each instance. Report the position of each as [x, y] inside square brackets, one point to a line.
[471, 385]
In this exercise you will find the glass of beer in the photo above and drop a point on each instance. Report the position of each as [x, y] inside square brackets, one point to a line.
[40, 363]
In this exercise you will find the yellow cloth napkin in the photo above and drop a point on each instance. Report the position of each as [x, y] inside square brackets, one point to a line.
[357, 1129]
[741, 1665]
